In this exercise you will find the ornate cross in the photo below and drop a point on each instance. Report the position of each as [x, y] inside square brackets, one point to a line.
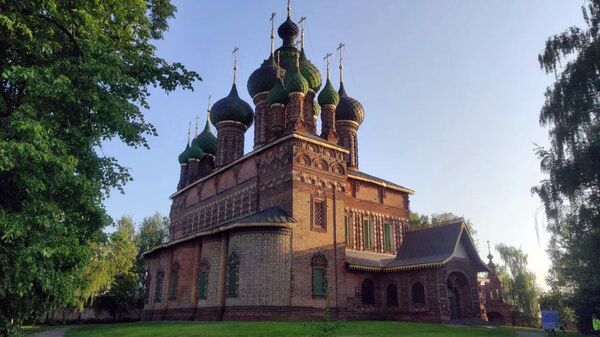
[301, 23]
[272, 19]
[339, 49]
[326, 58]
[234, 52]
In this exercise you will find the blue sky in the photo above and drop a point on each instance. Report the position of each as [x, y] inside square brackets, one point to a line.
[451, 89]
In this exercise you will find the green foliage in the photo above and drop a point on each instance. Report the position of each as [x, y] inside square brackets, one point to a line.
[519, 283]
[554, 300]
[72, 74]
[571, 193]
[112, 258]
[419, 221]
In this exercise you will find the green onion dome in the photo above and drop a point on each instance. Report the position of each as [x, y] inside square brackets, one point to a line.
[207, 140]
[287, 57]
[348, 108]
[195, 151]
[263, 78]
[310, 72]
[288, 31]
[232, 108]
[185, 155]
[295, 82]
[278, 94]
[316, 108]
[328, 95]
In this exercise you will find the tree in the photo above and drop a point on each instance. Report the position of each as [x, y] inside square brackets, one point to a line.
[571, 192]
[519, 283]
[419, 221]
[153, 231]
[114, 258]
[72, 74]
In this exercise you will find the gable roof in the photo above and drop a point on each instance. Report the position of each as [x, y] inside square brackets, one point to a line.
[373, 179]
[424, 248]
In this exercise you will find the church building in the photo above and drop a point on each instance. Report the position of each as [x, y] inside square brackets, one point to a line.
[294, 229]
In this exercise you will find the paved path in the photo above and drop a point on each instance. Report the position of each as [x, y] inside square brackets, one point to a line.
[56, 332]
[530, 334]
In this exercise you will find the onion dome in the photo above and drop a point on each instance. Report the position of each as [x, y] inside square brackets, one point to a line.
[185, 155]
[232, 108]
[288, 31]
[310, 72]
[328, 95]
[278, 94]
[348, 108]
[195, 151]
[207, 140]
[316, 108]
[294, 81]
[263, 78]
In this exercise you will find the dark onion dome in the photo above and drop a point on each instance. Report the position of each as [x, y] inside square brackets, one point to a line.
[294, 81]
[232, 108]
[185, 155]
[263, 78]
[310, 72]
[207, 140]
[348, 108]
[328, 95]
[195, 151]
[288, 32]
[278, 94]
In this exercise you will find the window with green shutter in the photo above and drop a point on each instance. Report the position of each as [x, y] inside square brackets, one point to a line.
[367, 233]
[319, 275]
[158, 287]
[348, 230]
[202, 283]
[387, 237]
[233, 270]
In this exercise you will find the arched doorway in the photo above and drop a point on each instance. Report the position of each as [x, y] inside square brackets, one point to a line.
[367, 293]
[495, 317]
[391, 295]
[459, 296]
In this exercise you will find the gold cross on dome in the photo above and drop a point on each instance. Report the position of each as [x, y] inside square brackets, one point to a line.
[326, 58]
[234, 52]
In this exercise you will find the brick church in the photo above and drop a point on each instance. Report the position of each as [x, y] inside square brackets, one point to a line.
[294, 229]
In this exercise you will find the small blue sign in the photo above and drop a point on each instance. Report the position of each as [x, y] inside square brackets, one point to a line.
[550, 319]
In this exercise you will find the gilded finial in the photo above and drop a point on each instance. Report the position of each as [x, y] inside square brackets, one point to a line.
[297, 60]
[278, 65]
[234, 52]
[339, 49]
[326, 58]
[208, 110]
[196, 130]
[301, 23]
[189, 132]
[289, 8]
[272, 19]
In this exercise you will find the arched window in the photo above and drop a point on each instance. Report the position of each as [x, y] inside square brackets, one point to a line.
[367, 293]
[174, 281]
[391, 296]
[147, 288]
[203, 280]
[158, 287]
[418, 293]
[319, 275]
[233, 271]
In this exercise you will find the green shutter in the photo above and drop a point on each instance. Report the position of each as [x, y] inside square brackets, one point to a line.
[202, 284]
[174, 279]
[387, 237]
[319, 283]
[233, 278]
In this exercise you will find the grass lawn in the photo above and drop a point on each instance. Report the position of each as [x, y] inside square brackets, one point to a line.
[31, 329]
[280, 329]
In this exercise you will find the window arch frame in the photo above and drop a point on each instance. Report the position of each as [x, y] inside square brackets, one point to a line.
[204, 268]
[319, 270]
[233, 274]
[391, 301]
[367, 292]
[417, 295]
[160, 276]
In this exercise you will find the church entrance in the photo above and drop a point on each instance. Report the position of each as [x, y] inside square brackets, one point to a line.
[458, 296]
